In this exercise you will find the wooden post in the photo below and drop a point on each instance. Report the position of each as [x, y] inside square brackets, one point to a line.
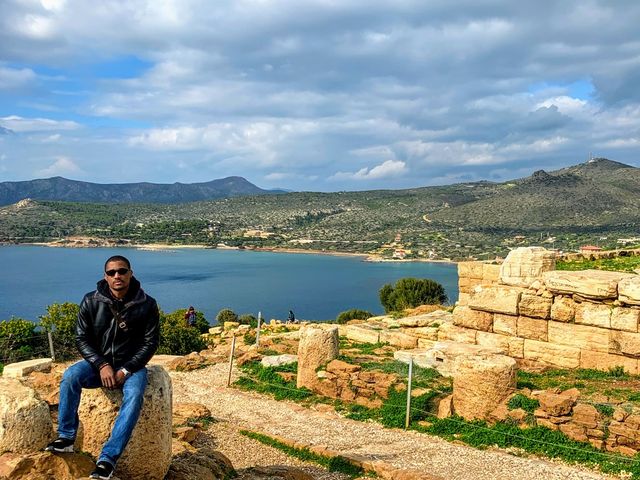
[53, 353]
[233, 349]
[408, 417]
[258, 329]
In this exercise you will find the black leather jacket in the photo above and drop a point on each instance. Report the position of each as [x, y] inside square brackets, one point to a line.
[99, 337]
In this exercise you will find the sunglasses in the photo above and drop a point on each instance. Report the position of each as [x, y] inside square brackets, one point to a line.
[121, 271]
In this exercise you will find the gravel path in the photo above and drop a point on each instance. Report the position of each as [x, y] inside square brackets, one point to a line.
[405, 450]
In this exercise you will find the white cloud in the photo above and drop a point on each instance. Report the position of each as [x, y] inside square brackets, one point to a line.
[20, 124]
[61, 166]
[386, 170]
[13, 78]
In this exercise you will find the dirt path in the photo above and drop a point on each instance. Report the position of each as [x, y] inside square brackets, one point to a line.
[423, 455]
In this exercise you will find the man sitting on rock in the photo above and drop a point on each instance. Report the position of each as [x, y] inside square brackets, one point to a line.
[117, 333]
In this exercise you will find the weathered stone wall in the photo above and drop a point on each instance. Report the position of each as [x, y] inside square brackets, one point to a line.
[582, 319]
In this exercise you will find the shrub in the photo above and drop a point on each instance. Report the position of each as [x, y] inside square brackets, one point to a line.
[201, 324]
[248, 319]
[20, 341]
[410, 293]
[176, 338]
[226, 315]
[60, 320]
[354, 313]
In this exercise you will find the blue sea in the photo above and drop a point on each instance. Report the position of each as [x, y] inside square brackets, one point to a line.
[316, 287]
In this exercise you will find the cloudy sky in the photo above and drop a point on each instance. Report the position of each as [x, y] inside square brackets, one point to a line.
[320, 95]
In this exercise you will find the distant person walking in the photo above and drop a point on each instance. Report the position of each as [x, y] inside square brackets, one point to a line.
[291, 318]
[117, 333]
[190, 317]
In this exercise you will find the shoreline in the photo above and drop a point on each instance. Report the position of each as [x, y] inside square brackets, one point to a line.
[159, 247]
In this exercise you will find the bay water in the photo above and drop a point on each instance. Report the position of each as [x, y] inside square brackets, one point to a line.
[316, 287]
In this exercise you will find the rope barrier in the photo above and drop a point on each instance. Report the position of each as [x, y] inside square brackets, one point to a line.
[481, 428]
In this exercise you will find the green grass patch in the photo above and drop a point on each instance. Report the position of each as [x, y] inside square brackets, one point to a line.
[617, 264]
[266, 380]
[334, 464]
[203, 422]
[565, 379]
[522, 401]
[537, 440]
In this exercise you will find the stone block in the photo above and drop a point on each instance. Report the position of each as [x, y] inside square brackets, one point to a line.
[463, 298]
[563, 309]
[594, 284]
[505, 324]
[423, 343]
[625, 319]
[586, 416]
[151, 439]
[453, 333]
[398, 339]
[496, 299]
[22, 369]
[555, 404]
[524, 265]
[362, 334]
[478, 320]
[512, 346]
[278, 360]
[552, 355]
[574, 432]
[532, 328]
[624, 343]
[317, 347]
[580, 336]
[466, 284]
[430, 333]
[490, 273]
[534, 306]
[25, 423]
[596, 314]
[425, 319]
[421, 357]
[629, 290]
[481, 383]
[443, 355]
[470, 269]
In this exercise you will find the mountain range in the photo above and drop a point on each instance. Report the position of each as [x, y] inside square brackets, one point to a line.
[594, 202]
[62, 189]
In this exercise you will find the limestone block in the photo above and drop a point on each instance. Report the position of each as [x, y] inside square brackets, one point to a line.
[45, 466]
[25, 423]
[362, 334]
[445, 407]
[481, 383]
[595, 314]
[453, 333]
[624, 343]
[476, 319]
[580, 336]
[466, 284]
[556, 404]
[425, 319]
[550, 354]
[429, 333]
[443, 355]
[463, 298]
[317, 347]
[563, 309]
[426, 344]
[203, 463]
[534, 306]
[278, 360]
[22, 369]
[594, 284]
[470, 269]
[524, 265]
[399, 339]
[625, 319]
[163, 360]
[607, 361]
[574, 432]
[532, 328]
[151, 438]
[505, 324]
[496, 299]
[230, 325]
[512, 346]
[490, 273]
[421, 357]
[629, 290]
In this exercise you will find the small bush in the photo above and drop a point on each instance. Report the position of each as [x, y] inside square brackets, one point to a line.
[226, 315]
[248, 319]
[410, 293]
[60, 320]
[354, 313]
[19, 341]
[176, 338]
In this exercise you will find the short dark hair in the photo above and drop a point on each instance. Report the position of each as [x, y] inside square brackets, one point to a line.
[117, 258]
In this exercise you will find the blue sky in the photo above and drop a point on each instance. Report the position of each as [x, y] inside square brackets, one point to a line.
[315, 95]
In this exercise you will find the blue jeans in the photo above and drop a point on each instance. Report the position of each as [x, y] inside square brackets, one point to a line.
[81, 375]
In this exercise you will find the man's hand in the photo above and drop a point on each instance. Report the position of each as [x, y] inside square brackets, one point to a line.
[120, 378]
[108, 377]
